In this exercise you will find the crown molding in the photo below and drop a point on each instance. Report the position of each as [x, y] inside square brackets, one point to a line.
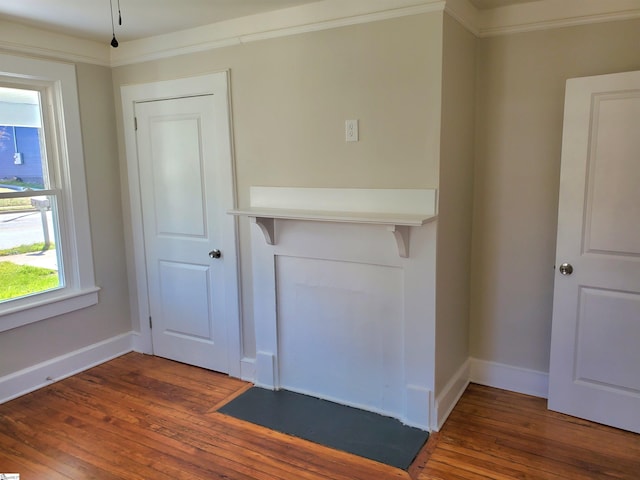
[327, 14]
[465, 14]
[549, 14]
[311, 17]
[429, 7]
[15, 37]
[322, 15]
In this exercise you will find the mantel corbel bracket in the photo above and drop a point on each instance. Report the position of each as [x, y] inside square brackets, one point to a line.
[401, 234]
[268, 227]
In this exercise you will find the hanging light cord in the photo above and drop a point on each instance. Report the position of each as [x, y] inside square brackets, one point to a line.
[119, 14]
[114, 41]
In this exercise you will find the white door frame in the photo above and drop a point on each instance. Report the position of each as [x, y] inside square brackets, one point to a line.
[199, 85]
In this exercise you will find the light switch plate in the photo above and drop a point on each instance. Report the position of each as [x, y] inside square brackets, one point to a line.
[351, 130]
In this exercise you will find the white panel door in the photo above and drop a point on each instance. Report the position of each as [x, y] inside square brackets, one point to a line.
[182, 224]
[595, 346]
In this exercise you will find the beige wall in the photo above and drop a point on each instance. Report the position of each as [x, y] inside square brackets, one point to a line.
[457, 153]
[290, 99]
[26, 346]
[291, 96]
[521, 81]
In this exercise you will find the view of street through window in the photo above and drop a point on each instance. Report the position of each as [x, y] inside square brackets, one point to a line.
[28, 256]
[26, 228]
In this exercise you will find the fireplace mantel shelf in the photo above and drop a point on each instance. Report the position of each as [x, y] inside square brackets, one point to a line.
[398, 224]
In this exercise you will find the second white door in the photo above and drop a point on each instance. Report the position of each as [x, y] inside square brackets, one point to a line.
[179, 171]
[595, 345]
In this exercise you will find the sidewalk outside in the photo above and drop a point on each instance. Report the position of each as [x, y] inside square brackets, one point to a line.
[26, 227]
[46, 259]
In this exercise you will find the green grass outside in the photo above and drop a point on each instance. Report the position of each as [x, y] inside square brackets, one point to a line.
[20, 249]
[36, 186]
[20, 280]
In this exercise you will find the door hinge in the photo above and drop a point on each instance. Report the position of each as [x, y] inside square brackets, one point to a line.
[135, 123]
[150, 322]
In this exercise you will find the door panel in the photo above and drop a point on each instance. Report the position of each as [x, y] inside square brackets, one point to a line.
[185, 300]
[177, 174]
[182, 223]
[595, 357]
[608, 318]
[614, 193]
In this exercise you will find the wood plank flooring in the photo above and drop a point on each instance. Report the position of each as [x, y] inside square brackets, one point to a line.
[139, 417]
[500, 435]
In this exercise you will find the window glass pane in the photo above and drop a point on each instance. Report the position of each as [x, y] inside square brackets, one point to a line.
[21, 157]
[29, 233]
[29, 255]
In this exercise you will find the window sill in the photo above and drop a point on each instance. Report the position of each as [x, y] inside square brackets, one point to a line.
[46, 305]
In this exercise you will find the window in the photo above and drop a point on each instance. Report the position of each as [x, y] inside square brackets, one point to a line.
[43, 203]
[29, 217]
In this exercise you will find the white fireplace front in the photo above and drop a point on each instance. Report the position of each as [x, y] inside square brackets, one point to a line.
[344, 296]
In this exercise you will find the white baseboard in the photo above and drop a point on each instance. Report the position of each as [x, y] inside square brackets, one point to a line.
[45, 373]
[507, 377]
[418, 409]
[140, 343]
[451, 393]
[266, 374]
[248, 369]
[483, 372]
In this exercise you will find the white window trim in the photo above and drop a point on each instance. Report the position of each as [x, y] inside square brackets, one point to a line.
[80, 290]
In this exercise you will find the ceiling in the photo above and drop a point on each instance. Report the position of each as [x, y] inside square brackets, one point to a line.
[140, 18]
[91, 19]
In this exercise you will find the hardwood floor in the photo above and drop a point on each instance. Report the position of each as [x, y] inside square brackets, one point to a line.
[142, 417]
[495, 434]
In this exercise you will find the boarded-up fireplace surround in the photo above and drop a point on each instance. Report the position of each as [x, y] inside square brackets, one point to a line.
[344, 296]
